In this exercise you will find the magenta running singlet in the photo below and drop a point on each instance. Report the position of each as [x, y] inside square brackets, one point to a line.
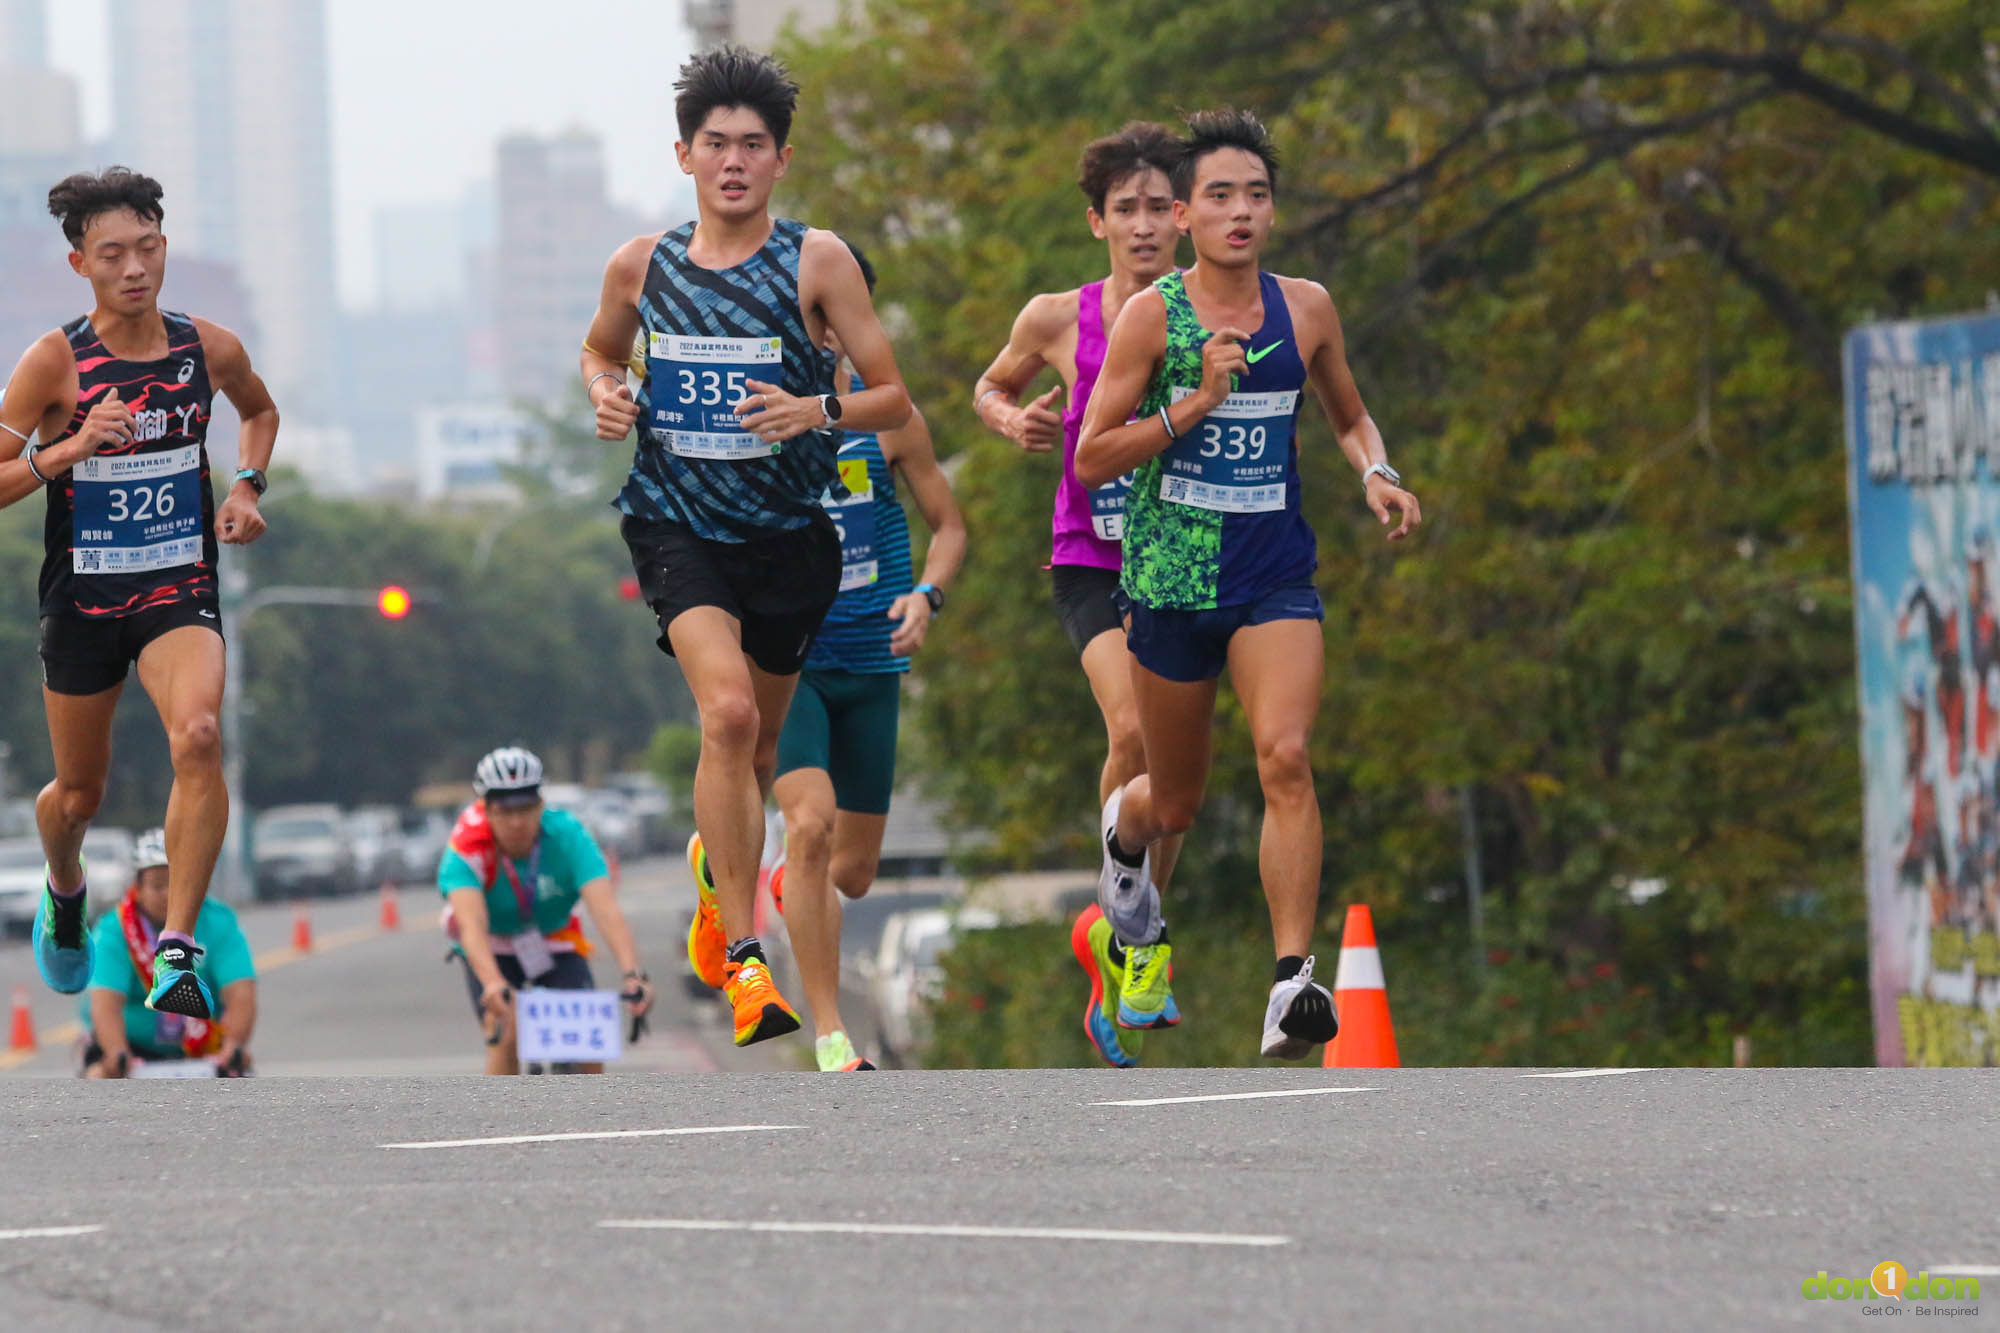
[1088, 524]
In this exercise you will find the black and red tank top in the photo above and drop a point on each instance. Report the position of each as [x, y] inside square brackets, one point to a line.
[132, 528]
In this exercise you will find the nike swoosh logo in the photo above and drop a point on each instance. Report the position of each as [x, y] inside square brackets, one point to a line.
[1254, 357]
[206, 615]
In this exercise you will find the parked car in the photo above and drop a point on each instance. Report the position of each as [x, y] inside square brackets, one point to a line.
[303, 849]
[609, 817]
[424, 835]
[21, 870]
[653, 807]
[108, 855]
[375, 833]
[906, 975]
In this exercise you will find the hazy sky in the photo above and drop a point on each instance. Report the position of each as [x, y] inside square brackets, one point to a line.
[422, 90]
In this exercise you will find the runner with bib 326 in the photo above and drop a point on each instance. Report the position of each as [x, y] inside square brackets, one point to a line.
[120, 399]
[1200, 392]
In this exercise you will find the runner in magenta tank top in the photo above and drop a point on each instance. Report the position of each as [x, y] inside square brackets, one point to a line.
[1131, 210]
[1087, 524]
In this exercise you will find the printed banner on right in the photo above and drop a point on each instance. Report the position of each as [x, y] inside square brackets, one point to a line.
[1923, 457]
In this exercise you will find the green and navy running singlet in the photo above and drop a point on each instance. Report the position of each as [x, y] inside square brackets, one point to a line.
[1215, 519]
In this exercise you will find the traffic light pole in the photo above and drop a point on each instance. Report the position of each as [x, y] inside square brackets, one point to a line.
[234, 878]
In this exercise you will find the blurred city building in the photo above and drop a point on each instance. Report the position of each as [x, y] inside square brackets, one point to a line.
[754, 23]
[557, 228]
[225, 102]
[464, 452]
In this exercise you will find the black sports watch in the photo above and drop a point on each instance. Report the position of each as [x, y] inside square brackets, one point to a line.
[932, 594]
[829, 404]
[255, 476]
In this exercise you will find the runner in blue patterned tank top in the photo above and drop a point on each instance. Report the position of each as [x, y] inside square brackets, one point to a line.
[1219, 558]
[738, 425]
[837, 753]
[120, 400]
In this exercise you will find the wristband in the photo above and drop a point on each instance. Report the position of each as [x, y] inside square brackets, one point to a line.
[980, 401]
[29, 458]
[618, 375]
[1168, 422]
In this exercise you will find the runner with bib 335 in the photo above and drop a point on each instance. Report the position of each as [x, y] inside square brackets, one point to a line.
[1201, 390]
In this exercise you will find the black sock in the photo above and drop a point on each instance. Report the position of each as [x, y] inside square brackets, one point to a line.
[1288, 967]
[745, 949]
[1130, 860]
[1116, 950]
[69, 919]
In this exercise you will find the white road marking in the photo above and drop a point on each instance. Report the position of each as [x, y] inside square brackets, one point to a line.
[601, 1134]
[1232, 1096]
[1593, 1073]
[954, 1232]
[39, 1233]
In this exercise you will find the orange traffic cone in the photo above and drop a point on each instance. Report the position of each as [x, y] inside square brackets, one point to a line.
[302, 930]
[1366, 1040]
[392, 911]
[23, 1035]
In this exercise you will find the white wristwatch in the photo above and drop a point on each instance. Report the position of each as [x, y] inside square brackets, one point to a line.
[1384, 471]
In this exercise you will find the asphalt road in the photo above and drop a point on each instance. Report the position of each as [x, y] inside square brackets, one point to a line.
[1437, 1199]
[1419, 1199]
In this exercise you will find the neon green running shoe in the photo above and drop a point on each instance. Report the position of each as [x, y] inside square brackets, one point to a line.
[1090, 941]
[836, 1055]
[1146, 1000]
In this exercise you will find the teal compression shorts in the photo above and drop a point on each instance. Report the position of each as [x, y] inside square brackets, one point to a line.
[845, 723]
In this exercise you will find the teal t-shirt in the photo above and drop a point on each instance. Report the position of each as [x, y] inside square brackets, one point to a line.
[569, 859]
[225, 959]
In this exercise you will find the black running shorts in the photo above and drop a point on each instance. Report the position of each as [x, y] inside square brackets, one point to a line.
[1086, 602]
[91, 655]
[778, 587]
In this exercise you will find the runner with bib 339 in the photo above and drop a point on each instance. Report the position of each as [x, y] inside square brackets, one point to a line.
[1200, 392]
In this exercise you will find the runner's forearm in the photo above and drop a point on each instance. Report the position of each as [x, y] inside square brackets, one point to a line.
[474, 939]
[604, 910]
[875, 409]
[256, 440]
[107, 1022]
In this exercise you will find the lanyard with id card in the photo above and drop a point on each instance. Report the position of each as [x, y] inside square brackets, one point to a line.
[1234, 459]
[855, 519]
[137, 512]
[693, 385]
[531, 947]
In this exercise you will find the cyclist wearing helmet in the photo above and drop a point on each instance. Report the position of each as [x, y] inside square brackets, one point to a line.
[115, 1016]
[512, 877]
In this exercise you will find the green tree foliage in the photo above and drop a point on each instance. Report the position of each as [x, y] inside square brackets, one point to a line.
[1594, 258]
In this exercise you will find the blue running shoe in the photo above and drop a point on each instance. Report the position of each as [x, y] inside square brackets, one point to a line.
[62, 942]
[176, 987]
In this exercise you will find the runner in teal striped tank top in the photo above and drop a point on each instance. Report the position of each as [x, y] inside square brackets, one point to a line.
[1219, 560]
[837, 753]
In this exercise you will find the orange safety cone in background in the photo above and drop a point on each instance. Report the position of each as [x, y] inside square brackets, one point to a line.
[23, 1036]
[392, 911]
[302, 930]
[1366, 1039]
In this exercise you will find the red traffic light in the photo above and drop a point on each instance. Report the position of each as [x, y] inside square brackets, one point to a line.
[393, 602]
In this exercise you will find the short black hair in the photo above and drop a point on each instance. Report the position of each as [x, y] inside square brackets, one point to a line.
[732, 76]
[1141, 146]
[77, 199]
[867, 269]
[1224, 127]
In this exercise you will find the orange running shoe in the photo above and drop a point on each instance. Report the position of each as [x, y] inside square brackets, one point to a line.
[707, 946]
[778, 887]
[761, 1013]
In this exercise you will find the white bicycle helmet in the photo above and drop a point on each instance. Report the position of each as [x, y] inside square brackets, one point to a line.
[507, 769]
[150, 851]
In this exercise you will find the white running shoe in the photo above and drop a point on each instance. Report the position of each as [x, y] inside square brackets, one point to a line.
[1299, 1017]
[1127, 897]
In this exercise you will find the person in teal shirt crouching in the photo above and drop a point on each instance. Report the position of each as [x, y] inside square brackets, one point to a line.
[115, 1016]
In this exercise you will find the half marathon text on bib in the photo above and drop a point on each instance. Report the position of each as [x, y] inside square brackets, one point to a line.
[137, 512]
[694, 385]
[855, 517]
[1234, 460]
